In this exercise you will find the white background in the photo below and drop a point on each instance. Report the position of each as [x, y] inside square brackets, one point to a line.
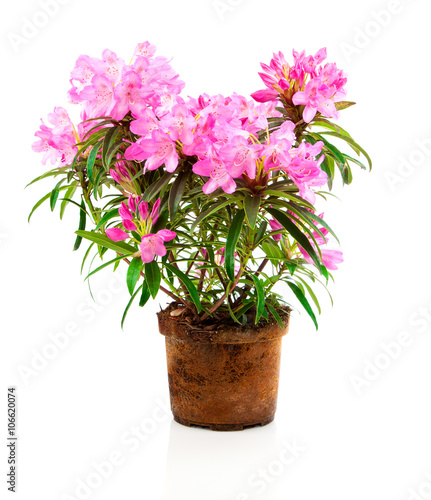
[354, 437]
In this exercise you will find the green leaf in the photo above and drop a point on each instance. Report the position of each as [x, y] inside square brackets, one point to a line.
[354, 145]
[128, 306]
[107, 143]
[67, 197]
[109, 215]
[194, 294]
[260, 297]
[81, 226]
[157, 186]
[176, 193]
[303, 300]
[343, 105]
[276, 315]
[207, 213]
[54, 194]
[133, 273]
[261, 232]
[231, 241]
[92, 159]
[105, 242]
[153, 277]
[111, 152]
[145, 295]
[251, 206]
[272, 251]
[300, 237]
[106, 264]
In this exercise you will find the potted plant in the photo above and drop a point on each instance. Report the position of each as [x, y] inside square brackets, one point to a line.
[213, 202]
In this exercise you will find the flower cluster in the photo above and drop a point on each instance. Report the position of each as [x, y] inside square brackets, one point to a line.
[57, 142]
[306, 83]
[135, 216]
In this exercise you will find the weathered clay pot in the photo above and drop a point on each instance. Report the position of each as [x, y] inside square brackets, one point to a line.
[225, 378]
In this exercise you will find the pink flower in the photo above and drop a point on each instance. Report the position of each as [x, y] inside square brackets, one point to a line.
[276, 226]
[179, 123]
[61, 121]
[129, 95]
[276, 78]
[116, 234]
[153, 244]
[330, 258]
[55, 146]
[98, 97]
[276, 151]
[145, 124]
[310, 63]
[158, 150]
[316, 97]
[239, 154]
[219, 174]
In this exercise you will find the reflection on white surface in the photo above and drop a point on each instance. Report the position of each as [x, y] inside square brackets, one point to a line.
[242, 465]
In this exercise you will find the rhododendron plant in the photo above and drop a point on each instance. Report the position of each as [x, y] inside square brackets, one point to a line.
[211, 200]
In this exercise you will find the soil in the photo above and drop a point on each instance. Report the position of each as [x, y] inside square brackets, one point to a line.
[220, 330]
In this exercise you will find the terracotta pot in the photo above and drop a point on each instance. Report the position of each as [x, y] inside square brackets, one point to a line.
[225, 378]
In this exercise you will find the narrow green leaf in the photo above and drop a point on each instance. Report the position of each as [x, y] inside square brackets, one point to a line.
[133, 273]
[251, 206]
[108, 215]
[231, 241]
[145, 295]
[207, 213]
[105, 242]
[354, 145]
[128, 306]
[54, 194]
[107, 143]
[276, 315]
[153, 277]
[194, 294]
[300, 237]
[260, 297]
[157, 186]
[81, 227]
[111, 152]
[67, 197]
[92, 159]
[304, 302]
[106, 264]
[176, 193]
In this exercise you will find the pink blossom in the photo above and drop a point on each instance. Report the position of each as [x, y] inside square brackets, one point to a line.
[239, 154]
[179, 123]
[55, 146]
[61, 121]
[130, 95]
[98, 97]
[276, 151]
[145, 124]
[316, 97]
[276, 226]
[153, 244]
[220, 175]
[158, 150]
[145, 49]
[116, 234]
[330, 258]
[310, 63]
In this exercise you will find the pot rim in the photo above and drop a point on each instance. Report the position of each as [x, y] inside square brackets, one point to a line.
[172, 328]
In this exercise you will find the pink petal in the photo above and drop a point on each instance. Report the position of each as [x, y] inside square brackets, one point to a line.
[116, 234]
[129, 225]
[166, 235]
